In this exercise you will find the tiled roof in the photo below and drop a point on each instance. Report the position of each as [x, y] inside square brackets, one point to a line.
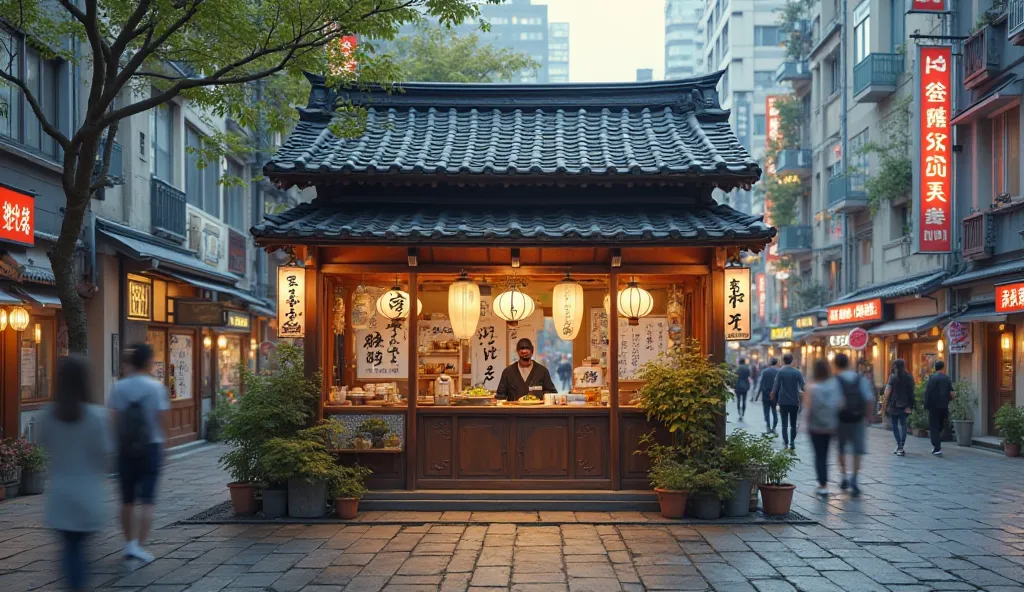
[672, 131]
[920, 284]
[339, 222]
[976, 272]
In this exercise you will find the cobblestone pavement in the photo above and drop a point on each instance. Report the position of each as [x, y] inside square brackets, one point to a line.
[923, 523]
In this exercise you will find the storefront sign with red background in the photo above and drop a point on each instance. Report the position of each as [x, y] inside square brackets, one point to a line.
[935, 147]
[928, 6]
[1010, 298]
[772, 135]
[857, 339]
[17, 216]
[762, 298]
[855, 312]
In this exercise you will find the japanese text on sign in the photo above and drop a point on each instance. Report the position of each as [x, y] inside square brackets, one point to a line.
[855, 312]
[935, 211]
[639, 344]
[737, 303]
[382, 349]
[140, 300]
[781, 333]
[762, 296]
[1010, 298]
[928, 6]
[291, 302]
[19, 220]
[488, 348]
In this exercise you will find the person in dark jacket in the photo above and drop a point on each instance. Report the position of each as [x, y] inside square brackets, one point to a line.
[767, 401]
[899, 402]
[938, 392]
[788, 391]
[742, 386]
[525, 377]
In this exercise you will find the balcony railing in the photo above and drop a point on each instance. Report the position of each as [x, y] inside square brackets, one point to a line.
[1015, 22]
[979, 240]
[846, 192]
[875, 77]
[167, 209]
[794, 239]
[791, 71]
[981, 57]
[793, 162]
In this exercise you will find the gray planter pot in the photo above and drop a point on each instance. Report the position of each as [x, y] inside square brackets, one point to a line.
[275, 503]
[964, 429]
[706, 507]
[739, 505]
[306, 499]
[11, 490]
[33, 482]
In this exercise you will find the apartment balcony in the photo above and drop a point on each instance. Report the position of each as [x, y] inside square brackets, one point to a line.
[979, 236]
[875, 77]
[793, 162]
[796, 73]
[846, 193]
[982, 53]
[794, 240]
[167, 210]
[115, 172]
[1015, 22]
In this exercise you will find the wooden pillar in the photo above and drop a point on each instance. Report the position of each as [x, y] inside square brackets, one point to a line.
[614, 458]
[410, 421]
[10, 395]
[716, 328]
[312, 343]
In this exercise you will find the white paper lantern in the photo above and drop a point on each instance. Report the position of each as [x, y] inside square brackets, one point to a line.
[464, 307]
[635, 302]
[18, 318]
[513, 306]
[567, 308]
[394, 304]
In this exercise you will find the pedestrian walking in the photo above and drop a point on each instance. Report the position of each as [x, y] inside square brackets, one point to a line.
[938, 392]
[140, 405]
[787, 390]
[856, 406]
[75, 435]
[821, 404]
[767, 400]
[564, 372]
[899, 402]
[742, 387]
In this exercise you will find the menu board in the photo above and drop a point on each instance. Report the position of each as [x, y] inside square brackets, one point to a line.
[181, 366]
[488, 348]
[382, 349]
[641, 344]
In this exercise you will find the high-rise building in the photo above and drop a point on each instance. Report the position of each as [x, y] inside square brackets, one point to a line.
[683, 39]
[558, 52]
[644, 74]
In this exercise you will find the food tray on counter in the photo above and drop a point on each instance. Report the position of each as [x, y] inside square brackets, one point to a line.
[473, 401]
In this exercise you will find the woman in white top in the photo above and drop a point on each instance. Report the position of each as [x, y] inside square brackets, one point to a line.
[75, 435]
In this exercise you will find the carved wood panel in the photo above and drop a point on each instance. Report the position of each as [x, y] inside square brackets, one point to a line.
[483, 447]
[388, 469]
[635, 466]
[436, 450]
[542, 447]
[590, 448]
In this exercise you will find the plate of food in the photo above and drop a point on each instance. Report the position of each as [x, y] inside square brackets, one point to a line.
[477, 395]
[529, 400]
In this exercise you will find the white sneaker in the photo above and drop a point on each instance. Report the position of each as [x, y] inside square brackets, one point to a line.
[822, 491]
[133, 549]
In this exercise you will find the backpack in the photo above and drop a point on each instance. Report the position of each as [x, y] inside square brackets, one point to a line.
[133, 432]
[852, 410]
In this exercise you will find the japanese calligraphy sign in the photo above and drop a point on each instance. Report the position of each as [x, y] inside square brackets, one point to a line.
[856, 312]
[780, 333]
[930, 6]
[807, 322]
[140, 298]
[291, 302]
[640, 344]
[1010, 298]
[18, 224]
[382, 350]
[933, 200]
[737, 303]
[488, 348]
[762, 297]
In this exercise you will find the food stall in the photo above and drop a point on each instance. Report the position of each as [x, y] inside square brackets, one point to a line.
[466, 218]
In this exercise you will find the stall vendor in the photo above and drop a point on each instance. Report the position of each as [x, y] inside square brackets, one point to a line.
[525, 377]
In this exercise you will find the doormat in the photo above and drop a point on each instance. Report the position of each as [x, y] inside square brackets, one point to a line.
[222, 514]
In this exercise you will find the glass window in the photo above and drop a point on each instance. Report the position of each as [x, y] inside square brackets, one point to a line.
[163, 134]
[234, 197]
[764, 79]
[896, 26]
[861, 32]
[1006, 152]
[157, 339]
[37, 358]
[760, 127]
[10, 122]
[201, 187]
[180, 374]
[834, 76]
[767, 36]
[229, 357]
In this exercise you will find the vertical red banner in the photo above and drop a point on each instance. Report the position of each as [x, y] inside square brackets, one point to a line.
[935, 214]
[928, 6]
[762, 298]
[341, 51]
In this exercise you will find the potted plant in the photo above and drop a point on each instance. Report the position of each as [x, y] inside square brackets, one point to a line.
[670, 478]
[709, 487]
[377, 429]
[393, 441]
[277, 404]
[347, 488]
[776, 494]
[218, 417]
[917, 423]
[1010, 423]
[744, 456]
[10, 469]
[961, 413]
[305, 464]
[33, 469]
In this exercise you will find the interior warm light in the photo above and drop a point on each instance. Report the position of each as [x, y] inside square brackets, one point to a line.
[567, 308]
[1006, 342]
[635, 302]
[207, 342]
[464, 307]
[513, 306]
[222, 342]
[3, 319]
[940, 345]
[18, 318]
[394, 304]
[39, 333]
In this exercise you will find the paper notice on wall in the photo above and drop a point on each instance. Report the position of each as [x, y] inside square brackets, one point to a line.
[181, 366]
[488, 349]
[433, 331]
[28, 367]
[641, 344]
[382, 349]
[598, 333]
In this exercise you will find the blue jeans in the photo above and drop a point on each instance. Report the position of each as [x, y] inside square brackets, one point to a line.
[73, 558]
[899, 427]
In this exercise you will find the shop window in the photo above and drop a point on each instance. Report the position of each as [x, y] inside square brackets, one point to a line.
[180, 375]
[157, 339]
[37, 358]
[1006, 152]
[229, 358]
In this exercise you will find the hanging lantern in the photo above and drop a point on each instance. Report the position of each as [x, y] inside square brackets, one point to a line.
[207, 342]
[362, 308]
[19, 318]
[39, 335]
[222, 342]
[394, 304]
[464, 307]
[3, 319]
[567, 308]
[513, 306]
[635, 302]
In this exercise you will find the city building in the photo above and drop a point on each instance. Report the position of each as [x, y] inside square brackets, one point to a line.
[644, 74]
[558, 52]
[683, 38]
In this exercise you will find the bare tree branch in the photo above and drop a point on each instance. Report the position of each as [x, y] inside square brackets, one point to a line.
[48, 127]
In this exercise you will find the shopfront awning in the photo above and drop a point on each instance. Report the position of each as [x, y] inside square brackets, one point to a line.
[7, 299]
[999, 98]
[978, 273]
[911, 325]
[30, 265]
[913, 286]
[983, 312]
[42, 297]
[256, 305]
[160, 254]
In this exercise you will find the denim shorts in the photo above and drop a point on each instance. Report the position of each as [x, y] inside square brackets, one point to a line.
[138, 475]
[852, 435]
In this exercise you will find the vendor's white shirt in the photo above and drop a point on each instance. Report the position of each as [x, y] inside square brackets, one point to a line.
[525, 371]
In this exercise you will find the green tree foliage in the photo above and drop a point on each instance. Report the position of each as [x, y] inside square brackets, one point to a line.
[784, 193]
[893, 179]
[206, 51]
[798, 39]
[435, 54]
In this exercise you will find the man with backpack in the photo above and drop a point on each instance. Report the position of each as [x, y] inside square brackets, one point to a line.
[140, 408]
[855, 406]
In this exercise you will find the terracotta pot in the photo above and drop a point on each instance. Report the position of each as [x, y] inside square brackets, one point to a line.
[673, 503]
[346, 508]
[3, 493]
[243, 497]
[1011, 449]
[777, 499]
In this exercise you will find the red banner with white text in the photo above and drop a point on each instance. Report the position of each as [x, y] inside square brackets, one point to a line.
[927, 6]
[935, 149]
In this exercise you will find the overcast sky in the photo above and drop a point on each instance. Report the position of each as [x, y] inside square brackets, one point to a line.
[610, 39]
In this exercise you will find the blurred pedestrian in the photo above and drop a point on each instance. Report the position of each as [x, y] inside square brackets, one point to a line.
[856, 405]
[564, 372]
[767, 400]
[938, 392]
[140, 404]
[787, 390]
[899, 402]
[742, 387]
[821, 404]
[76, 438]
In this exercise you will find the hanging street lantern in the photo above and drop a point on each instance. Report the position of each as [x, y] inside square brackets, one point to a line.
[3, 319]
[513, 306]
[18, 318]
[567, 308]
[464, 307]
[394, 304]
[635, 302]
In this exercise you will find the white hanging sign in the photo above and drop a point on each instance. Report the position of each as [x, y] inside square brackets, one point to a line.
[640, 344]
[488, 347]
[382, 350]
[291, 302]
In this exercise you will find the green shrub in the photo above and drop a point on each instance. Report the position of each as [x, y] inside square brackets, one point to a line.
[779, 465]
[962, 407]
[348, 482]
[1010, 423]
